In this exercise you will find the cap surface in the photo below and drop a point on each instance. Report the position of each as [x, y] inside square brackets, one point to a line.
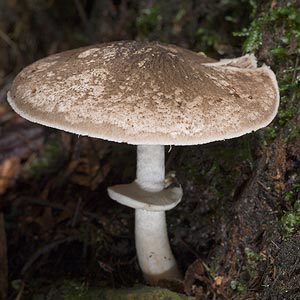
[146, 93]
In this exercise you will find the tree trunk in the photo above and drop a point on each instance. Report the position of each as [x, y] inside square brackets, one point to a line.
[263, 245]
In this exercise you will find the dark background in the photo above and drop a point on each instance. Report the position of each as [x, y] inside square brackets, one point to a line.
[235, 233]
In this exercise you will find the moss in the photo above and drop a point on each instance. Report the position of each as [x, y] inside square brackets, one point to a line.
[237, 286]
[249, 272]
[47, 160]
[252, 256]
[290, 220]
[79, 291]
[287, 16]
[75, 291]
[283, 23]
[252, 264]
[229, 161]
[144, 293]
[148, 20]
[253, 35]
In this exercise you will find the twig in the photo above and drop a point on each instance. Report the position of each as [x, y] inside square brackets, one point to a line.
[21, 290]
[267, 189]
[8, 40]
[42, 203]
[81, 12]
[46, 249]
[55, 206]
[275, 244]
[276, 279]
[76, 212]
[189, 248]
[11, 44]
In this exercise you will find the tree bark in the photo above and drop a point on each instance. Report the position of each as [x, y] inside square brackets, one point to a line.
[261, 203]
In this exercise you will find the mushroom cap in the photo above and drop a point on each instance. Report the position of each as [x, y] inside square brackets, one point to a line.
[146, 93]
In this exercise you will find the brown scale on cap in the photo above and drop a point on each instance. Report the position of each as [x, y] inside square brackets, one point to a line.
[146, 93]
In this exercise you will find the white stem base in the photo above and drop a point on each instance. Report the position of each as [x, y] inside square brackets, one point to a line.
[153, 249]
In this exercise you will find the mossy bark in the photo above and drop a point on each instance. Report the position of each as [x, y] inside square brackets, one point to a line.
[261, 203]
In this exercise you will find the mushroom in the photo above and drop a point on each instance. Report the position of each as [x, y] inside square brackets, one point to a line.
[150, 200]
[150, 95]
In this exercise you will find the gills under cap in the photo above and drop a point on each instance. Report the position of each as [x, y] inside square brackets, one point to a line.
[146, 93]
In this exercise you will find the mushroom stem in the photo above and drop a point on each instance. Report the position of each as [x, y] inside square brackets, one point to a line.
[150, 167]
[152, 244]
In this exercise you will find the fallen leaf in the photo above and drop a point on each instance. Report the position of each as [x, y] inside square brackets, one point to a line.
[88, 174]
[19, 139]
[218, 280]
[196, 269]
[9, 169]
